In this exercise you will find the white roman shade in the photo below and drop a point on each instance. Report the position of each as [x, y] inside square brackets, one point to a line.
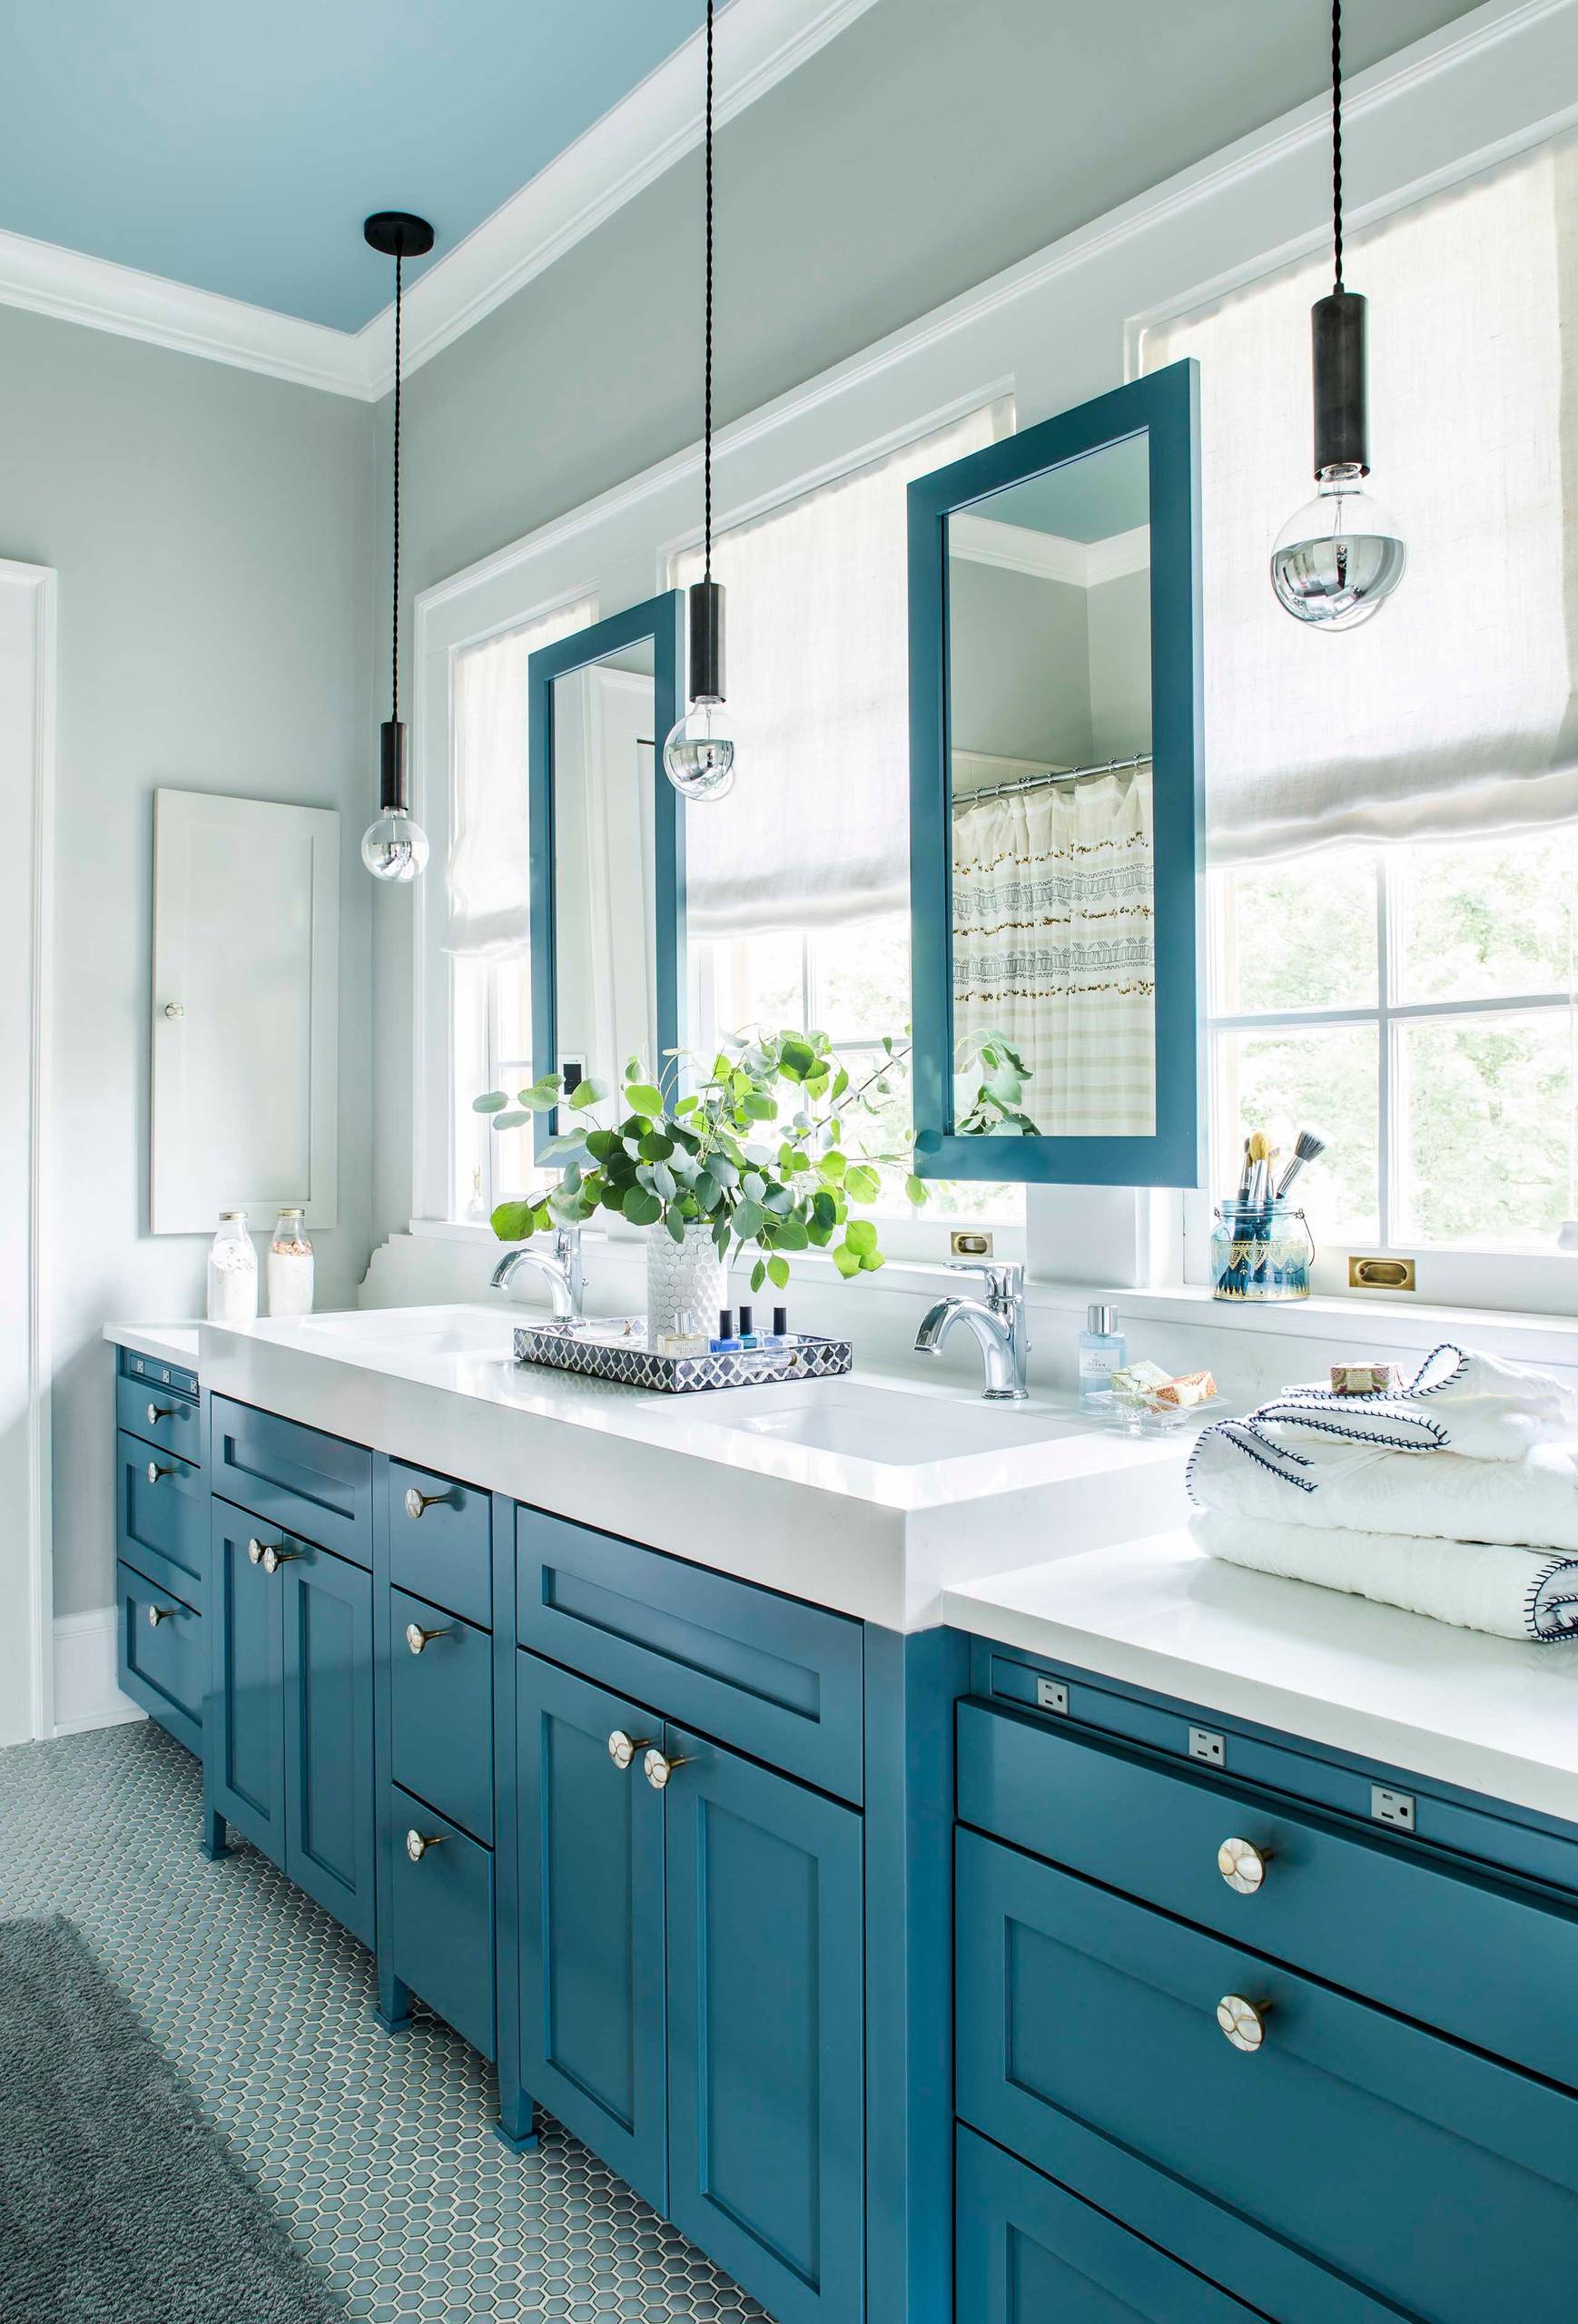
[1454, 709]
[816, 829]
[489, 875]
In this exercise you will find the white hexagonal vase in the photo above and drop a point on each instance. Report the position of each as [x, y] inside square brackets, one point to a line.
[682, 1277]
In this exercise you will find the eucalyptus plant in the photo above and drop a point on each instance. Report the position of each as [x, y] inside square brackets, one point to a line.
[758, 1151]
[755, 1151]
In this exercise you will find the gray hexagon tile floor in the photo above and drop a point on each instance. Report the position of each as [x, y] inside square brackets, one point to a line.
[378, 2155]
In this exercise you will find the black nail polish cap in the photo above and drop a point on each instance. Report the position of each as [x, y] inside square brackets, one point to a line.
[780, 1319]
[726, 1323]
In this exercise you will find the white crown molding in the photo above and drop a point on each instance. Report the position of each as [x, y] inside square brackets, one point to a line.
[1048, 556]
[76, 288]
[758, 44]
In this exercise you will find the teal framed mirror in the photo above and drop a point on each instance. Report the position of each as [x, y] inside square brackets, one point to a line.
[1057, 827]
[607, 845]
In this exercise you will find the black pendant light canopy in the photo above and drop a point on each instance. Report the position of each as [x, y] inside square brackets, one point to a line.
[1341, 556]
[395, 848]
[699, 756]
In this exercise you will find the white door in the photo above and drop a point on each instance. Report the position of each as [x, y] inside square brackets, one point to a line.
[26, 811]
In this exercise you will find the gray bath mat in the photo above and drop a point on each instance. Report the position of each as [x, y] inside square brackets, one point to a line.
[118, 2203]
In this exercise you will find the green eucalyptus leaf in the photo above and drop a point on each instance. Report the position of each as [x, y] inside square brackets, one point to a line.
[846, 1261]
[642, 1207]
[655, 1147]
[663, 1181]
[587, 1093]
[493, 1101]
[831, 1166]
[543, 1095]
[779, 1270]
[860, 1236]
[569, 1146]
[512, 1120]
[513, 1222]
[643, 1098]
[676, 1226]
[758, 1274]
[748, 1221]
[917, 1190]
[862, 1183]
[870, 1261]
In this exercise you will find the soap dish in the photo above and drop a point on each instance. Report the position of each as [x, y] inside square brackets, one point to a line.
[1133, 1417]
[615, 1348]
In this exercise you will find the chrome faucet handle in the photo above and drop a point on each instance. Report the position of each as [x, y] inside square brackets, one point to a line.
[1004, 1278]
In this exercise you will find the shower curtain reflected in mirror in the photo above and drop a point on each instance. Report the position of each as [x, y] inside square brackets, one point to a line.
[1054, 943]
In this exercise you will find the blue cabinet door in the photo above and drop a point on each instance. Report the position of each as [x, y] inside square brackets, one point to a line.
[766, 2031]
[243, 1738]
[327, 1613]
[591, 1920]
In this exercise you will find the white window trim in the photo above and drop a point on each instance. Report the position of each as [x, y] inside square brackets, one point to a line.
[1061, 326]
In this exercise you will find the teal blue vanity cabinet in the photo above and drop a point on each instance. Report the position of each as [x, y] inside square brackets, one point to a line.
[692, 1943]
[1297, 2023]
[160, 1542]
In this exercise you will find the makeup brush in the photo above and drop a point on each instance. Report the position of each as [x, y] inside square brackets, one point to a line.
[1307, 1147]
[1260, 1169]
[1244, 1173]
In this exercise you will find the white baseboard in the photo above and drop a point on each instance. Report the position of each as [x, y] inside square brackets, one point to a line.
[86, 1693]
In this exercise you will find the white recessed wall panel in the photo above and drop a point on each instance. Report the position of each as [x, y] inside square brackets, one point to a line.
[245, 1000]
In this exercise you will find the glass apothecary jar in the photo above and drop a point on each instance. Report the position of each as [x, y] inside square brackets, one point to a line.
[290, 1267]
[232, 1272]
[1261, 1251]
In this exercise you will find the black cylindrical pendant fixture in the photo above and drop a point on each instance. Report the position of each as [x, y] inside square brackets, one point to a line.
[707, 641]
[394, 788]
[1341, 385]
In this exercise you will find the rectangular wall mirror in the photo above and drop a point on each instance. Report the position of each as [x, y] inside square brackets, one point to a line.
[608, 943]
[1056, 827]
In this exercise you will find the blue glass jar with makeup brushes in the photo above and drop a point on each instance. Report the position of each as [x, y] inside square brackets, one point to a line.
[1261, 1251]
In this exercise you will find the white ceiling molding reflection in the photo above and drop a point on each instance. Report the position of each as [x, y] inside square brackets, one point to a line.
[1488, 60]
[758, 44]
[1048, 556]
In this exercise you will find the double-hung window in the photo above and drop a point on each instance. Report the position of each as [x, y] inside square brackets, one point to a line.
[1393, 810]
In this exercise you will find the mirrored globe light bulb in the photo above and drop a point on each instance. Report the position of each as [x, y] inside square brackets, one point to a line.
[698, 756]
[1340, 557]
[394, 848]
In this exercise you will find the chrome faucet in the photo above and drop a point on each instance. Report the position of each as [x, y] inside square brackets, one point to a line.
[997, 1323]
[565, 1272]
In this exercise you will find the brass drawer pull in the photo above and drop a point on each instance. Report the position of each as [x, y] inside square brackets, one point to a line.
[418, 1842]
[156, 1412]
[657, 1768]
[155, 1472]
[416, 1502]
[418, 1639]
[1243, 2021]
[623, 1748]
[1243, 1866]
[271, 1555]
[157, 1614]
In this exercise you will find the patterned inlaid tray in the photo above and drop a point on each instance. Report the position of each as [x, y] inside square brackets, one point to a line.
[626, 1357]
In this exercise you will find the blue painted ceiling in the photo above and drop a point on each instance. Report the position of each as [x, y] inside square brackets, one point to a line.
[239, 148]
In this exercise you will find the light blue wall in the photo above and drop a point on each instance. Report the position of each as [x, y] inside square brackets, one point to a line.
[214, 532]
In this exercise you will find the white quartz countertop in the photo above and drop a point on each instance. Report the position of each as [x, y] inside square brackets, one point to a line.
[166, 1342]
[1490, 1715]
[868, 1495]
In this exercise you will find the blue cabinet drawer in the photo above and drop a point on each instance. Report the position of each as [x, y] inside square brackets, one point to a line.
[440, 1541]
[441, 1710]
[295, 1477]
[133, 1365]
[1028, 2252]
[1370, 1912]
[782, 1680]
[160, 1656]
[162, 1515]
[1422, 2173]
[160, 1416]
[441, 1917]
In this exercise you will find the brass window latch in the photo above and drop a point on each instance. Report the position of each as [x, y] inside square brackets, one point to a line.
[1380, 1275]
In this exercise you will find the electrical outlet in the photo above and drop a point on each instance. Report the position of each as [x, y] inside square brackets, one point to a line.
[1393, 1807]
[1052, 1695]
[1212, 1749]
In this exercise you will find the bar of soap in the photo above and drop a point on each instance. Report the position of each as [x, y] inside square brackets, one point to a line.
[1142, 1379]
[1189, 1388]
[1363, 1379]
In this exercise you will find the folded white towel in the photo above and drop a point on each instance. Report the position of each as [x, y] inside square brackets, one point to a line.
[1475, 1585]
[1279, 1471]
[1477, 1405]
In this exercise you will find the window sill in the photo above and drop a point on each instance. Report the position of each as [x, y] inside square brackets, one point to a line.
[1362, 1321]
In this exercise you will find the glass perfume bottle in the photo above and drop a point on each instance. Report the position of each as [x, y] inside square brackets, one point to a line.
[1102, 1351]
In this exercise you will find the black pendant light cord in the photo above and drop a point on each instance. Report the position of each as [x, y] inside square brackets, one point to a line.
[707, 433]
[395, 622]
[1336, 141]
